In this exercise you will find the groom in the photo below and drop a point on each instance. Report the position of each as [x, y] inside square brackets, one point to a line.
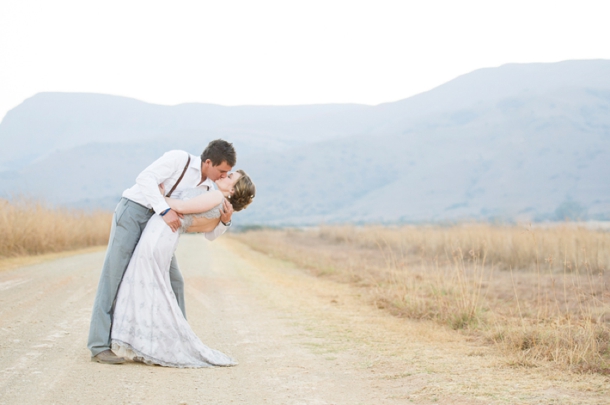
[177, 171]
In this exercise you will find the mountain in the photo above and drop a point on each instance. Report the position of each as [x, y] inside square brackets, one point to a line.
[50, 122]
[522, 141]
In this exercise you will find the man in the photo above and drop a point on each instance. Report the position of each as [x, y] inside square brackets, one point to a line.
[177, 171]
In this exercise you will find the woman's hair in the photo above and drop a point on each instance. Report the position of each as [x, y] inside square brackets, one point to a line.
[243, 192]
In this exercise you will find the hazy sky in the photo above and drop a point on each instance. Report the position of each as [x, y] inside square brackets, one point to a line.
[280, 52]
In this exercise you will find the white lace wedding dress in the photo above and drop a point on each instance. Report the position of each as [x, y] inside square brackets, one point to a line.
[148, 325]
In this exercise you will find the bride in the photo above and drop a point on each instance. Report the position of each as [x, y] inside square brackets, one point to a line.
[148, 325]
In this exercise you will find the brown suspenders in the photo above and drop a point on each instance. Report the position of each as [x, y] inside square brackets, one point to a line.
[188, 162]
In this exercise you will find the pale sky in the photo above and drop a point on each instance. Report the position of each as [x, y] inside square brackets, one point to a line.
[280, 52]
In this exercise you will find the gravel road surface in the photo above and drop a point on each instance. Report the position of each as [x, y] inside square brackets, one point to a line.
[298, 339]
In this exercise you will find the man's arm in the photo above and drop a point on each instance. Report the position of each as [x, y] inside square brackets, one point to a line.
[155, 174]
[159, 171]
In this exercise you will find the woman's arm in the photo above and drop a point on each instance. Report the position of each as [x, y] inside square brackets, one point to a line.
[196, 205]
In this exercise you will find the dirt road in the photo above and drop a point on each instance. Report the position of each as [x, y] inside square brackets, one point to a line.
[299, 340]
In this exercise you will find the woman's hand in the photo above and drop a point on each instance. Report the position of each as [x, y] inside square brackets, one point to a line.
[162, 189]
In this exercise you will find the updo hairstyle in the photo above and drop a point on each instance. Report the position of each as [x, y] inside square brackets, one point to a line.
[243, 192]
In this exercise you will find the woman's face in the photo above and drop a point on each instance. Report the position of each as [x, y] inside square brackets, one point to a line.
[226, 184]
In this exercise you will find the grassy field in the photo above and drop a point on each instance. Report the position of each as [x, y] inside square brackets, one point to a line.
[33, 228]
[538, 294]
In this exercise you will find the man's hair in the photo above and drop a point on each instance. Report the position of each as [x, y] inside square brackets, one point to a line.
[219, 151]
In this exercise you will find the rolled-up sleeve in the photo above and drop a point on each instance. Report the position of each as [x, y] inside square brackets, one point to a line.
[219, 230]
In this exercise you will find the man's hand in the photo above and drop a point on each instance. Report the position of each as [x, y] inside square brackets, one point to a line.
[172, 219]
[227, 211]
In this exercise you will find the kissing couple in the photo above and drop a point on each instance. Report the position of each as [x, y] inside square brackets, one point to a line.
[139, 311]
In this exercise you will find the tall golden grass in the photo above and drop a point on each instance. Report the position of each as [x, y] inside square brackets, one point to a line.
[540, 294]
[565, 247]
[32, 227]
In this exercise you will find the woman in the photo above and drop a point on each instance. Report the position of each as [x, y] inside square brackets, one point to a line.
[148, 325]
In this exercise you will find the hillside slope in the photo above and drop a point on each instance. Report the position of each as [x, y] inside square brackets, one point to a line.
[525, 142]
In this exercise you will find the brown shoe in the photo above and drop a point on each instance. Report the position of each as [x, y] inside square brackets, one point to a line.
[107, 357]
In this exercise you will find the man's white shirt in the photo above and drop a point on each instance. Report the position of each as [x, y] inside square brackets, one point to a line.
[166, 170]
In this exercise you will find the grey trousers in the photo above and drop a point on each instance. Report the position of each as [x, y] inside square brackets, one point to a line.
[128, 223]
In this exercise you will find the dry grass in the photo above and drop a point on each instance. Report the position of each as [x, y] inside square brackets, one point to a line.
[539, 294]
[32, 228]
[566, 247]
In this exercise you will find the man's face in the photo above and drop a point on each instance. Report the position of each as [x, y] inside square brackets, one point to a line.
[215, 172]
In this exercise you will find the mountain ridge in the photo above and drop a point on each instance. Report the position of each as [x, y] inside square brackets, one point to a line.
[516, 142]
